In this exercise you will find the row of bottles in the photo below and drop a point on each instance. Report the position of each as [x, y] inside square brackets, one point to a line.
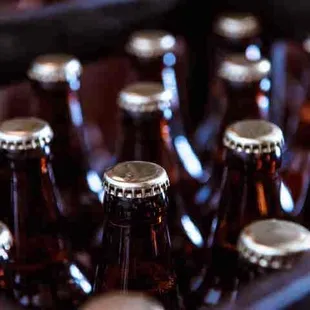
[174, 205]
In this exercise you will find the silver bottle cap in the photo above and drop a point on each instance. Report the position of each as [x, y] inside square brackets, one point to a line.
[6, 239]
[53, 68]
[273, 243]
[19, 134]
[237, 26]
[253, 136]
[135, 179]
[236, 68]
[306, 44]
[144, 97]
[150, 43]
[123, 301]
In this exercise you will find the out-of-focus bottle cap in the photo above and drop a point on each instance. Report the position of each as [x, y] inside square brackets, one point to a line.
[6, 239]
[237, 26]
[122, 301]
[273, 243]
[253, 136]
[53, 68]
[19, 134]
[144, 97]
[306, 44]
[135, 179]
[237, 68]
[150, 43]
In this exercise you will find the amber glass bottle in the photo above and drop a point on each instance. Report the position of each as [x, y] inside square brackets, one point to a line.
[121, 300]
[38, 268]
[136, 252]
[245, 93]
[233, 33]
[158, 56]
[251, 189]
[56, 81]
[147, 134]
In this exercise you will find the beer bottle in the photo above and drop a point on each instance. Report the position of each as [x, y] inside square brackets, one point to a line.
[136, 250]
[159, 56]
[147, 134]
[38, 268]
[251, 189]
[244, 91]
[233, 33]
[264, 248]
[237, 33]
[123, 301]
[56, 81]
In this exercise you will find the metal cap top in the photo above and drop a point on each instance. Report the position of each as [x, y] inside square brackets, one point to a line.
[135, 179]
[253, 136]
[306, 44]
[6, 238]
[237, 26]
[53, 68]
[144, 97]
[273, 243]
[236, 68]
[24, 134]
[121, 301]
[150, 43]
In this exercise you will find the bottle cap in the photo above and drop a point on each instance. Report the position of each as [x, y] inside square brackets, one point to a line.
[253, 136]
[236, 68]
[53, 68]
[306, 44]
[6, 239]
[237, 26]
[123, 301]
[135, 179]
[273, 243]
[150, 43]
[24, 134]
[144, 97]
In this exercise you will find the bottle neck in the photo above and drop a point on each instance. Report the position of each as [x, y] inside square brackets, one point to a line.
[59, 104]
[139, 256]
[35, 209]
[244, 101]
[161, 69]
[251, 190]
[144, 136]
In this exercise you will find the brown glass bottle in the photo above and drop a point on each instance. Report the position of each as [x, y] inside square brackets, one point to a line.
[244, 91]
[158, 56]
[146, 135]
[265, 248]
[136, 250]
[251, 189]
[38, 268]
[296, 166]
[56, 81]
[233, 33]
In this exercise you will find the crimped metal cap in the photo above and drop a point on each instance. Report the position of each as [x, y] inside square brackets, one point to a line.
[122, 301]
[144, 97]
[253, 136]
[53, 68]
[150, 43]
[273, 243]
[237, 68]
[19, 134]
[135, 179]
[237, 26]
[6, 239]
